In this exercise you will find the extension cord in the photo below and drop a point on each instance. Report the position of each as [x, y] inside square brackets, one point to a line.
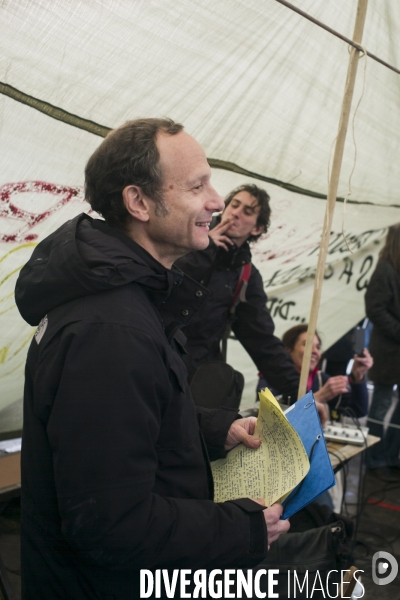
[345, 434]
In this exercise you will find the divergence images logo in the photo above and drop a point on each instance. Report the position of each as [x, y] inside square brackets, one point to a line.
[384, 563]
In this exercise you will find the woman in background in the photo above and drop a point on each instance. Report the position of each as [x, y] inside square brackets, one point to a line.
[340, 392]
[382, 302]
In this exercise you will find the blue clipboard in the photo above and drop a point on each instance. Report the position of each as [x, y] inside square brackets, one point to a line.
[303, 416]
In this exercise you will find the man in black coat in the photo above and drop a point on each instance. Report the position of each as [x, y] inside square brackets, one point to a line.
[220, 267]
[115, 471]
[382, 304]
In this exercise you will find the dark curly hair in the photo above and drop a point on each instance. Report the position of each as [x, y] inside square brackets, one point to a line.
[127, 156]
[263, 219]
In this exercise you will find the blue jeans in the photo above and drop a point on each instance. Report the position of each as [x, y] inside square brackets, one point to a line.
[386, 452]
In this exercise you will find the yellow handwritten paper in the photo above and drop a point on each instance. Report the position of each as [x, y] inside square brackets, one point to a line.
[272, 470]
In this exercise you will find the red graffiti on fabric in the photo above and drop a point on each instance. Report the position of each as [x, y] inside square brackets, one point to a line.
[20, 221]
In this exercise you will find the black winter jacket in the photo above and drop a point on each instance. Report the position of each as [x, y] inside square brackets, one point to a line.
[219, 270]
[115, 475]
[382, 304]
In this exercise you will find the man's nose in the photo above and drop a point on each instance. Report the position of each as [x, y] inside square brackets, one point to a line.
[215, 202]
[236, 210]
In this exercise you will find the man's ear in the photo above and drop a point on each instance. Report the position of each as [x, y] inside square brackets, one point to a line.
[257, 230]
[136, 203]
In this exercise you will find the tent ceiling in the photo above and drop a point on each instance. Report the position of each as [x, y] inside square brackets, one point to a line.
[257, 84]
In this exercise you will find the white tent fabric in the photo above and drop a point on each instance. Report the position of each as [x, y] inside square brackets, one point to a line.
[259, 86]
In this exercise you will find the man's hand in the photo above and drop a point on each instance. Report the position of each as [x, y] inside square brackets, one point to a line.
[361, 365]
[275, 525]
[242, 430]
[217, 234]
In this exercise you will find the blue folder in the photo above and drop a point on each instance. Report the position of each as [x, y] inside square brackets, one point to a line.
[303, 416]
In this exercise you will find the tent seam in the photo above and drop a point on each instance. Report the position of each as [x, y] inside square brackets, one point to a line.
[64, 116]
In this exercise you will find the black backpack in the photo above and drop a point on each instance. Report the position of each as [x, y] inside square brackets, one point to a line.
[216, 384]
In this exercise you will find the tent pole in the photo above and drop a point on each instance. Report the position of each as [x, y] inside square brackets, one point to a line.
[332, 192]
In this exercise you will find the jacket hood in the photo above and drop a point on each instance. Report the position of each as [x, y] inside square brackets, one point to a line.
[85, 256]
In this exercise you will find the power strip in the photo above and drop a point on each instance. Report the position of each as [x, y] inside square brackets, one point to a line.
[345, 434]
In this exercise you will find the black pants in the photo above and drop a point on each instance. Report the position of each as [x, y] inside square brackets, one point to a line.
[386, 452]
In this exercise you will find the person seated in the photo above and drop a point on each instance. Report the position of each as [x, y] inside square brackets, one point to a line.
[339, 392]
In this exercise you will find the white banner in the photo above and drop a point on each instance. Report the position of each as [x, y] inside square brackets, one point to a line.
[286, 257]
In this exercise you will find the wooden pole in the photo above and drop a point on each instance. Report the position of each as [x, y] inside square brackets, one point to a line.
[332, 192]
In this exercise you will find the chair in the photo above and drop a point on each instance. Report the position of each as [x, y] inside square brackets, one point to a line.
[349, 583]
[10, 487]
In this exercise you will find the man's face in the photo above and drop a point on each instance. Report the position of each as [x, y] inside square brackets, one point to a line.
[189, 199]
[242, 212]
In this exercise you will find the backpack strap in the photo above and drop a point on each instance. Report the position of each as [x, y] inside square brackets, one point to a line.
[240, 291]
[238, 296]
